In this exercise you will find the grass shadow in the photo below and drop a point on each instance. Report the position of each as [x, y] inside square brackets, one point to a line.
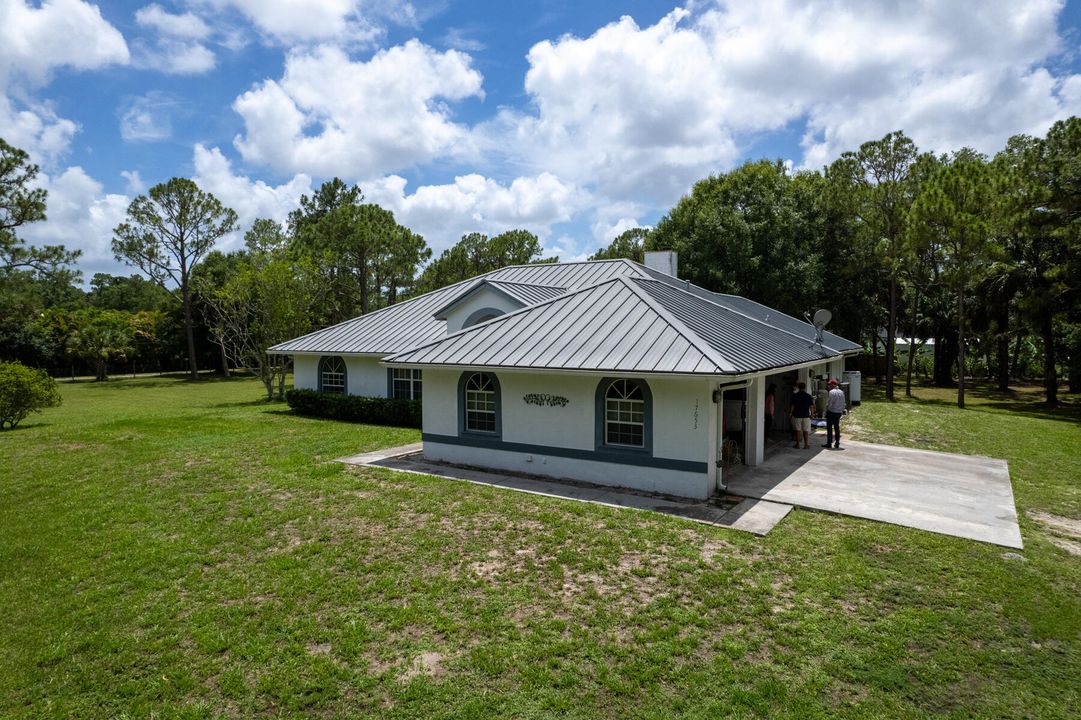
[250, 403]
[24, 426]
[1022, 399]
[146, 381]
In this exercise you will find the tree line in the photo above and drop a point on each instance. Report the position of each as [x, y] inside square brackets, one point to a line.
[980, 255]
[193, 306]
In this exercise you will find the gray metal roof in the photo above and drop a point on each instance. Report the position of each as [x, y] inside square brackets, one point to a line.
[626, 325]
[410, 323]
[758, 311]
[568, 275]
[612, 326]
[528, 293]
[785, 322]
[521, 293]
[746, 343]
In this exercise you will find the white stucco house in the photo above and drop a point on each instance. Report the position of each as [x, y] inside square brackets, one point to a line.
[606, 371]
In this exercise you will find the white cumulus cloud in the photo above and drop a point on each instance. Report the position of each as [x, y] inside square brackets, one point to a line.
[250, 199]
[81, 217]
[330, 115]
[290, 22]
[178, 47]
[474, 203]
[182, 25]
[36, 129]
[640, 113]
[39, 38]
[147, 117]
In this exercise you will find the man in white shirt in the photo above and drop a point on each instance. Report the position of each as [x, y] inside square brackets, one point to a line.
[835, 408]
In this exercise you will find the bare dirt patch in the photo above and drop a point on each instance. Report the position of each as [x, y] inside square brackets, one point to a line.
[1070, 546]
[286, 539]
[711, 548]
[1070, 527]
[318, 648]
[428, 663]
[413, 518]
[492, 567]
[1063, 532]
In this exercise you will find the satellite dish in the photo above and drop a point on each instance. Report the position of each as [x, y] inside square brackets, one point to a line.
[822, 318]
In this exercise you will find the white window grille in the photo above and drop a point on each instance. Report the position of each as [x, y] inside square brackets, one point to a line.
[624, 414]
[405, 384]
[480, 403]
[332, 375]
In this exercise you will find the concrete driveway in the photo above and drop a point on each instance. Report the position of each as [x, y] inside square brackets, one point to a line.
[963, 495]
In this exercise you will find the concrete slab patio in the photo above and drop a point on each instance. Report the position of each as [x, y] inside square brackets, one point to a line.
[755, 516]
[962, 495]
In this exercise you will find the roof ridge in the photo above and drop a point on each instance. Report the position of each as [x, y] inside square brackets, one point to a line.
[569, 262]
[500, 318]
[696, 340]
[676, 281]
[515, 282]
[736, 312]
[774, 311]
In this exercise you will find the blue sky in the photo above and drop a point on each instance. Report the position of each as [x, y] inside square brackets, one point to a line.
[575, 120]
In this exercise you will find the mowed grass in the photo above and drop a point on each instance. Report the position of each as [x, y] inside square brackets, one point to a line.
[175, 549]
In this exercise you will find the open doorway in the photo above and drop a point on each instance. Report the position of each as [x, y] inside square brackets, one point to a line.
[778, 430]
[732, 428]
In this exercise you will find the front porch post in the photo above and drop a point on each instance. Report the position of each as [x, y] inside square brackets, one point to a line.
[754, 427]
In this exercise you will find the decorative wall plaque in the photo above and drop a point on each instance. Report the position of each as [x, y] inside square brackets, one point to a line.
[544, 399]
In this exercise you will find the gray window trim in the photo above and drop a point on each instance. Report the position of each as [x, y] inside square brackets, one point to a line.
[603, 447]
[462, 432]
[345, 373]
[476, 315]
[390, 381]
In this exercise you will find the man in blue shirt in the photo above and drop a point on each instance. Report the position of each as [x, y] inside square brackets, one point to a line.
[800, 410]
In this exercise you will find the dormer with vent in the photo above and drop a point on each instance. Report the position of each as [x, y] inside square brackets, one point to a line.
[486, 299]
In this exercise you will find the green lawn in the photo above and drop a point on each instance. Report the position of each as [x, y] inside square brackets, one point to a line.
[170, 549]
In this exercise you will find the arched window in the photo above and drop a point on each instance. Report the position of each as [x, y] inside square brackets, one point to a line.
[624, 415]
[478, 398]
[332, 374]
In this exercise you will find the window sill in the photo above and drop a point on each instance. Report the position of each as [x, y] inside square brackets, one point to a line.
[624, 450]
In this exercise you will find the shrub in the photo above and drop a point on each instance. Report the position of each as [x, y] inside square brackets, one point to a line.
[355, 408]
[24, 390]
